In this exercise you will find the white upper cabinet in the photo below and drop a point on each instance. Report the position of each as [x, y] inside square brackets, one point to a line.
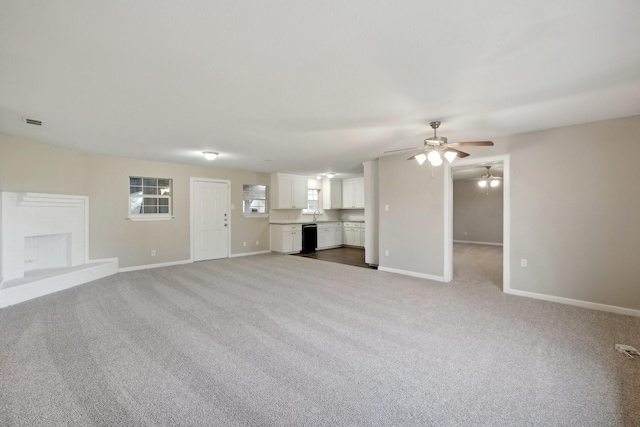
[353, 193]
[300, 191]
[331, 194]
[288, 191]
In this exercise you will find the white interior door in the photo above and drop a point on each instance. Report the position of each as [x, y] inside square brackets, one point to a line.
[210, 219]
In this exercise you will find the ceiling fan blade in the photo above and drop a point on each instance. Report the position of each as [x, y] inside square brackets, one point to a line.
[470, 143]
[402, 149]
[461, 154]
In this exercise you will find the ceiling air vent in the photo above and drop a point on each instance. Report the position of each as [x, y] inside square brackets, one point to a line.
[32, 121]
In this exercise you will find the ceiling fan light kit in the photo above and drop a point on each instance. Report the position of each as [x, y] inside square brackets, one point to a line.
[436, 147]
[450, 155]
[488, 180]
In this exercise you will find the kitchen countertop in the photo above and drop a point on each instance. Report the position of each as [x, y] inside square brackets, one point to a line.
[311, 221]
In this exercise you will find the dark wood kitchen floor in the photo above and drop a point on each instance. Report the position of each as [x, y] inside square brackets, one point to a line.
[345, 255]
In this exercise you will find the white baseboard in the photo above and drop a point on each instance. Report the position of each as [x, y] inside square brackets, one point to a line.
[471, 242]
[92, 270]
[249, 253]
[412, 274]
[149, 266]
[578, 303]
[186, 261]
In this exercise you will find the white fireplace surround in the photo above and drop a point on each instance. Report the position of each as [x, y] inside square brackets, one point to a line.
[45, 236]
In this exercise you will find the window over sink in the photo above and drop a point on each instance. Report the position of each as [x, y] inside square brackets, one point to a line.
[313, 201]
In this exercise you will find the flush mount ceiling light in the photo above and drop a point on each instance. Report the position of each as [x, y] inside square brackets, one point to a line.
[330, 175]
[210, 155]
[437, 147]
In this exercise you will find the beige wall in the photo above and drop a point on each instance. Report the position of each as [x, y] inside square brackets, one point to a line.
[575, 212]
[30, 166]
[1, 275]
[371, 212]
[477, 216]
[40, 168]
[412, 229]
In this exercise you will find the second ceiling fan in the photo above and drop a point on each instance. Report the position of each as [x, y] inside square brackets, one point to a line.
[436, 147]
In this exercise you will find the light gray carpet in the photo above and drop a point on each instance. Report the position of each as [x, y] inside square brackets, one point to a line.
[277, 340]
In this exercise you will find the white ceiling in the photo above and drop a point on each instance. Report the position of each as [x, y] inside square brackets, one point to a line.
[311, 86]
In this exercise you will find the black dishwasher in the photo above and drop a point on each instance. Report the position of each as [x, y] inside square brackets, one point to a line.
[309, 238]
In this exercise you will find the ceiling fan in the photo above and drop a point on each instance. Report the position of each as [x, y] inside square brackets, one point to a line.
[488, 180]
[436, 147]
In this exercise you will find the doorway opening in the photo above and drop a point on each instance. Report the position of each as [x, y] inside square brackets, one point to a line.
[477, 231]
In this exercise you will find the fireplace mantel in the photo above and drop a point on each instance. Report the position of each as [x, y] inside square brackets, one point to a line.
[50, 200]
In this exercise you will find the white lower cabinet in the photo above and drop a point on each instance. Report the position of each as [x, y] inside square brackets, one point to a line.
[329, 235]
[287, 238]
[353, 234]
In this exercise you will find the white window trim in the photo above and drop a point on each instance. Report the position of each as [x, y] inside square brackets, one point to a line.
[150, 217]
[255, 215]
[153, 217]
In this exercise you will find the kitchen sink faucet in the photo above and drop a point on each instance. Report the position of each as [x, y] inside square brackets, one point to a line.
[315, 215]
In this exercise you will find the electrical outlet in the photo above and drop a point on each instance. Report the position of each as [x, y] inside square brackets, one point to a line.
[465, 233]
[257, 242]
[153, 252]
[386, 252]
[386, 207]
[523, 262]
[244, 243]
